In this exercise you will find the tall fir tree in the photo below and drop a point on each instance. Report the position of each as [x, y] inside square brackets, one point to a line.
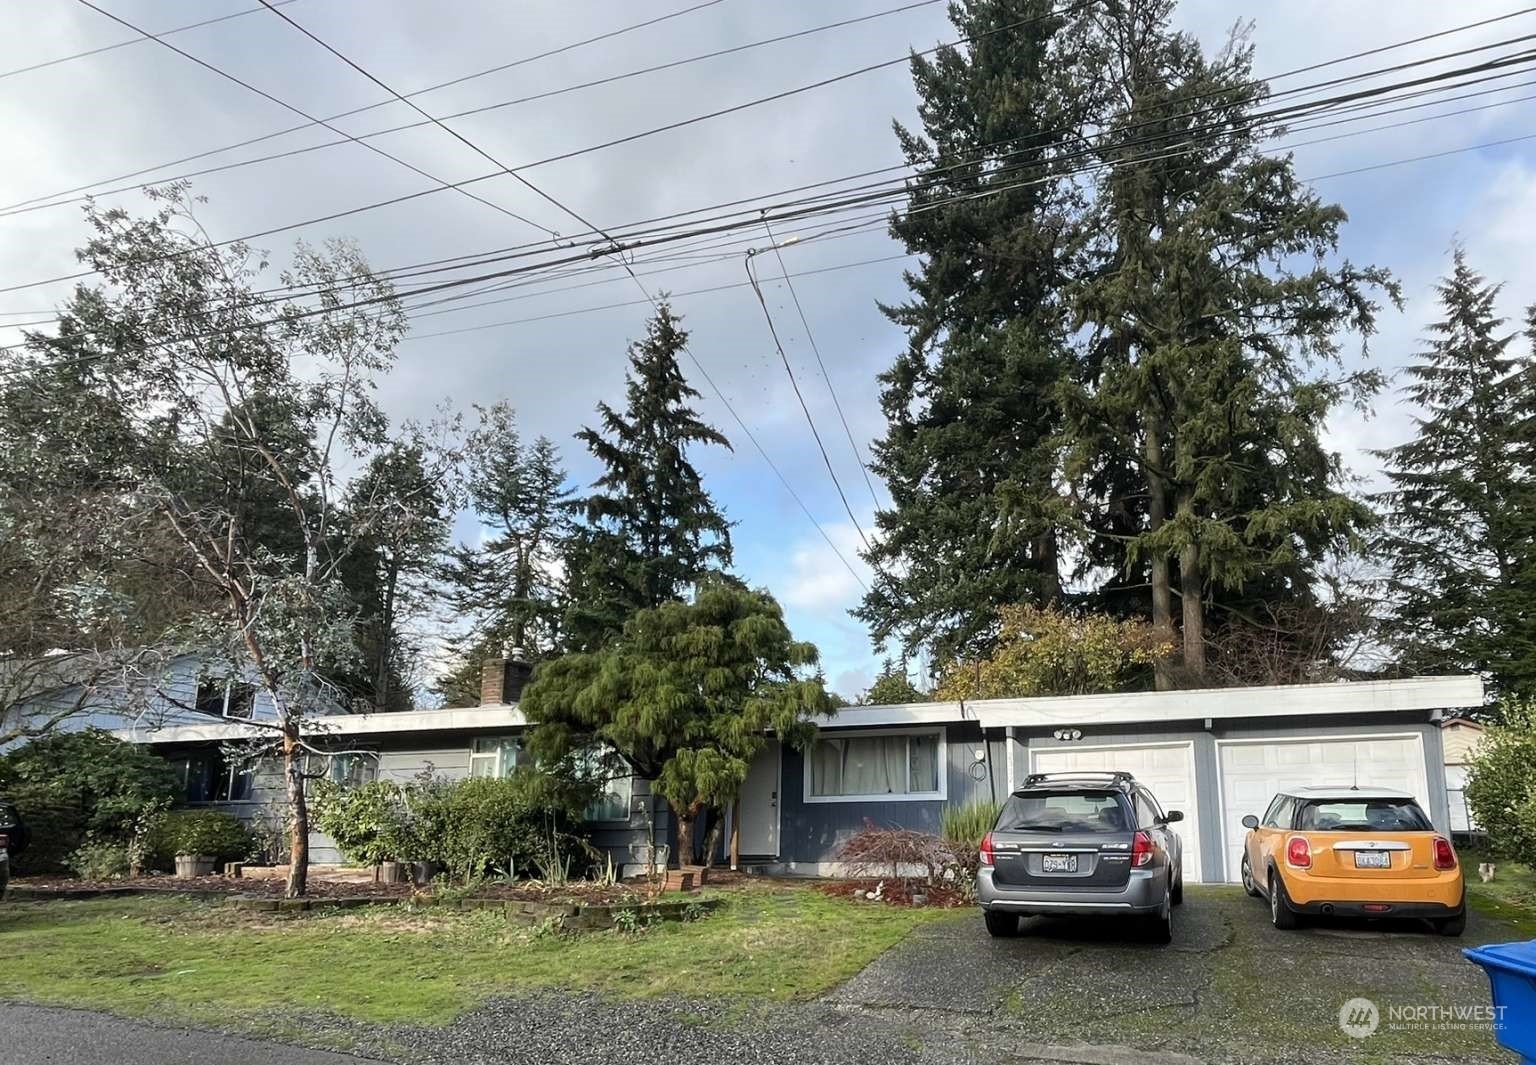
[509, 587]
[652, 530]
[971, 452]
[1213, 316]
[1459, 536]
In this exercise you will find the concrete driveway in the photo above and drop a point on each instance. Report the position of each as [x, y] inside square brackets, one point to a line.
[1230, 988]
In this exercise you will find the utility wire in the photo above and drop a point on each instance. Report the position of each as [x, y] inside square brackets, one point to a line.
[810, 337]
[306, 115]
[804, 409]
[53, 200]
[133, 40]
[35, 202]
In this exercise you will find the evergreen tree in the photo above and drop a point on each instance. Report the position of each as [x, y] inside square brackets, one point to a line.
[971, 454]
[510, 586]
[652, 529]
[1213, 320]
[893, 687]
[1459, 540]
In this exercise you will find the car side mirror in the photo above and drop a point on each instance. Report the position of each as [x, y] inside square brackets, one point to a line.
[1173, 815]
[1250, 821]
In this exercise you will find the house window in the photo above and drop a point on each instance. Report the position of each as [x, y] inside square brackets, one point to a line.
[616, 784]
[207, 776]
[495, 756]
[892, 766]
[353, 768]
[222, 698]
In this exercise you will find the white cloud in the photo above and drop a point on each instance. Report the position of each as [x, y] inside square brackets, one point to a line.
[817, 580]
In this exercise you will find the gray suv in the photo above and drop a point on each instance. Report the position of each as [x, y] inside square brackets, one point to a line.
[1082, 844]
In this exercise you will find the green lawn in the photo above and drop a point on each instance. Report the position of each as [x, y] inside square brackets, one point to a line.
[192, 961]
[1511, 895]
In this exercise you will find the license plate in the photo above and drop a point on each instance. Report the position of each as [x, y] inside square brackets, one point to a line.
[1373, 859]
[1059, 863]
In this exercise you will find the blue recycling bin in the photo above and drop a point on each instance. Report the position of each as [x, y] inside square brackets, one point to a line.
[1511, 969]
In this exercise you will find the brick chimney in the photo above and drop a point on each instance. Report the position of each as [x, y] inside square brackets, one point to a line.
[502, 679]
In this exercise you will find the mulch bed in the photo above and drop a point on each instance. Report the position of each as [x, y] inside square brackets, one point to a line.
[895, 892]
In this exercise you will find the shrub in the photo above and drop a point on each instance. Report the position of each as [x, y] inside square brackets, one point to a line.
[99, 859]
[522, 823]
[898, 854]
[964, 825]
[368, 822]
[1501, 785]
[219, 835]
[70, 784]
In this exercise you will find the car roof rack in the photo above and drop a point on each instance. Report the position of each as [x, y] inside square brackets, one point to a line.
[1112, 777]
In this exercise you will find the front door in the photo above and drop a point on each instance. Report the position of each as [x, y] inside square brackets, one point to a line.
[760, 805]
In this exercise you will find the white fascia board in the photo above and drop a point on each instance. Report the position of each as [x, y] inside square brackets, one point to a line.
[895, 714]
[1283, 700]
[462, 719]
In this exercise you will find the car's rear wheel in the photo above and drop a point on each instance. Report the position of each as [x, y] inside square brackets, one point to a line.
[1280, 913]
[1177, 897]
[1248, 884]
[1001, 925]
[1452, 926]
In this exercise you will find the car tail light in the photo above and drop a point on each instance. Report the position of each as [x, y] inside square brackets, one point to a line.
[1141, 849]
[1376, 907]
[1445, 854]
[1298, 852]
[988, 855]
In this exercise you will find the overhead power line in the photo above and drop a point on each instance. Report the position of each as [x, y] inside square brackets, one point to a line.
[54, 200]
[304, 114]
[133, 40]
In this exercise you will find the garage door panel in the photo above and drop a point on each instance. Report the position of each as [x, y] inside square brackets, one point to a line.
[1251, 773]
[1168, 770]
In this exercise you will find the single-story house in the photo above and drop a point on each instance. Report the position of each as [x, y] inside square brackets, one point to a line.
[1215, 754]
[1459, 737]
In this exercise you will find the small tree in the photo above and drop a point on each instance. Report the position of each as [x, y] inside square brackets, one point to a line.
[687, 695]
[1052, 652]
[1501, 784]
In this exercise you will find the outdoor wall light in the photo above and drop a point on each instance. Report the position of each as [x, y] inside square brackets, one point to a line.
[1066, 734]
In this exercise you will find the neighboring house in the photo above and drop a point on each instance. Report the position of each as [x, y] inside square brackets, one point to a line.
[1459, 736]
[1214, 754]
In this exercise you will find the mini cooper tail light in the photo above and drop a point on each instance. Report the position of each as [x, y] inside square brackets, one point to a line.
[1445, 854]
[988, 855]
[1298, 852]
[1141, 849]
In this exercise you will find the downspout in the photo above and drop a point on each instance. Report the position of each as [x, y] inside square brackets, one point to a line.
[1008, 757]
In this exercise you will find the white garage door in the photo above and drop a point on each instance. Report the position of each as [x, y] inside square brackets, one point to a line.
[1168, 771]
[1251, 773]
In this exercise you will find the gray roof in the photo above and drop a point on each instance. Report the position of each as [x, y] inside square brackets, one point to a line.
[1341, 791]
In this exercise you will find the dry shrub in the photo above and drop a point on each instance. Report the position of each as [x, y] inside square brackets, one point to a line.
[900, 854]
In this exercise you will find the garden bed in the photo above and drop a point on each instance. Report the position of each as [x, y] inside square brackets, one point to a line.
[894, 892]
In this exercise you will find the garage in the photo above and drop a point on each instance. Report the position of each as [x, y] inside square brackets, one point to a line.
[1168, 769]
[1253, 770]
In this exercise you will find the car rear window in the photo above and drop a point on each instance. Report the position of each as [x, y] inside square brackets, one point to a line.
[1362, 815]
[1064, 811]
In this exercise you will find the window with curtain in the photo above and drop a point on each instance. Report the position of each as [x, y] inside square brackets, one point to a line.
[871, 766]
[495, 756]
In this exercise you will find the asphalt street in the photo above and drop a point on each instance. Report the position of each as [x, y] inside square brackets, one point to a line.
[33, 1035]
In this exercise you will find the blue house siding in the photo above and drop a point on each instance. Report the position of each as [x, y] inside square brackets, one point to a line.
[813, 832]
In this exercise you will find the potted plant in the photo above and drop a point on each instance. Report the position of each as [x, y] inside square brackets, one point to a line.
[200, 839]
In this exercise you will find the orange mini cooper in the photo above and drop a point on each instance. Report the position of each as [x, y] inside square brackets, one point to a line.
[1352, 852]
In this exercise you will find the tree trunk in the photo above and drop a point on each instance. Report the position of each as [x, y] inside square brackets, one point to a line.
[386, 632]
[685, 824]
[298, 813]
[1162, 581]
[712, 840]
[1048, 552]
[736, 834]
[1190, 594]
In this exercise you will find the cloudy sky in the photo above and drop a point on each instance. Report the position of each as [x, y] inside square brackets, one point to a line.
[554, 354]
